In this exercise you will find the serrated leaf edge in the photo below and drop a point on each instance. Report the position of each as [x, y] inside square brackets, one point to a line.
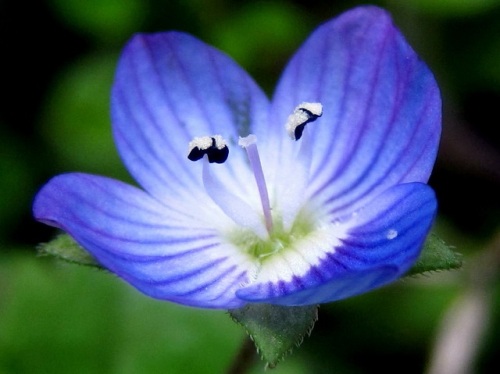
[42, 252]
[296, 344]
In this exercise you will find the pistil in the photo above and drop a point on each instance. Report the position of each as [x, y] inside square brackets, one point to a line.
[213, 149]
[250, 144]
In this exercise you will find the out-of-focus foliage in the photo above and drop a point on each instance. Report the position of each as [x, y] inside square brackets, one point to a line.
[68, 319]
[15, 181]
[58, 60]
[452, 8]
[102, 20]
[281, 25]
[76, 121]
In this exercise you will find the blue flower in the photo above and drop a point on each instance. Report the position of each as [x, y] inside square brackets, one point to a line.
[322, 196]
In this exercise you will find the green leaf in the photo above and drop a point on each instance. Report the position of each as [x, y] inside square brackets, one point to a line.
[436, 255]
[276, 329]
[65, 248]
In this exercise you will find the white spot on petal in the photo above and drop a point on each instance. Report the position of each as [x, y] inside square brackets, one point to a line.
[391, 234]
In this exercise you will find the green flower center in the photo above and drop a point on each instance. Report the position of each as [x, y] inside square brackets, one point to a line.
[279, 239]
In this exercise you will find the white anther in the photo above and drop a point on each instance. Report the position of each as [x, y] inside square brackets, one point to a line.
[205, 142]
[302, 115]
[220, 143]
[213, 146]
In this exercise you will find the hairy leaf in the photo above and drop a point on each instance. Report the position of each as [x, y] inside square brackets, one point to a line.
[65, 248]
[276, 329]
[436, 255]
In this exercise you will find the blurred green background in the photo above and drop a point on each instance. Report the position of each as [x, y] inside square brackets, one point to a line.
[58, 58]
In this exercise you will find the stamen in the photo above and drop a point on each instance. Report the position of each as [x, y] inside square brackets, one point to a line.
[234, 207]
[214, 149]
[296, 179]
[295, 176]
[213, 146]
[301, 116]
[250, 144]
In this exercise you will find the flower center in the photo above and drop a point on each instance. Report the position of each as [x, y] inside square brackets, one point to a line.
[279, 238]
[261, 235]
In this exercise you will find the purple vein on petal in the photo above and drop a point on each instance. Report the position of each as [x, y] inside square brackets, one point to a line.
[368, 188]
[229, 290]
[363, 130]
[344, 125]
[232, 171]
[160, 168]
[192, 224]
[347, 158]
[346, 71]
[171, 209]
[180, 131]
[160, 132]
[125, 256]
[192, 273]
[388, 209]
[357, 251]
[105, 234]
[200, 290]
[135, 269]
[166, 134]
[193, 92]
[214, 280]
[363, 177]
[226, 293]
[209, 288]
[165, 95]
[365, 250]
[207, 99]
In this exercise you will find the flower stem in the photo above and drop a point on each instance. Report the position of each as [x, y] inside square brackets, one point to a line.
[244, 359]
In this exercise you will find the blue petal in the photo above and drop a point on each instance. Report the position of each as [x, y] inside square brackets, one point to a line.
[164, 251]
[382, 241]
[381, 118]
[169, 88]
